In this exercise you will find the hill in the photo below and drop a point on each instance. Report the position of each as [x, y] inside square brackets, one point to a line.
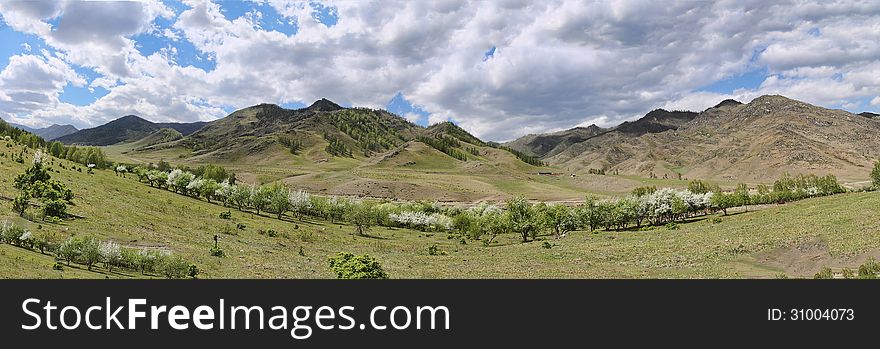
[326, 148]
[128, 128]
[55, 131]
[49, 133]
[753, 142]
[549, 144]
[870, 115]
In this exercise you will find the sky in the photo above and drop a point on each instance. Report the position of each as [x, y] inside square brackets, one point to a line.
[499, 69]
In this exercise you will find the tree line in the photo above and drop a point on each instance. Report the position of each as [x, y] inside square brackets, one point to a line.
[82, 155]
[90, 252]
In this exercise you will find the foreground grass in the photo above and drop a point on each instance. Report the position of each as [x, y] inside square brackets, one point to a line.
[133, 214]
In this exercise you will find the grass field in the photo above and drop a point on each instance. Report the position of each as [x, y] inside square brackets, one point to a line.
[794, 239]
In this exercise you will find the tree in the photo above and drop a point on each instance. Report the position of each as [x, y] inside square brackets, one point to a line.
[178, 180]
[642, 191]
[700, 187]
[69, 250]
[522, 217]
[741, 196]
[348, 266]
[279, 198]
[589, 213]
[495, 224]
[20, 204]
[362, 217]
[111, 254]
[209, 189]
[300, 202]
[561, 219]
[240, 196]
[260, 197]
[90, 251]
[722, 201]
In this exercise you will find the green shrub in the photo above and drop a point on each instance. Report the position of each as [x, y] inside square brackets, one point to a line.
[671, 226]
[434, 250]
[824, 273]
[848, 273]
[175, 267]
[870, 269]
[715, 220]
[226, 215]
[348, 266]
[193, 271]
[547, 245]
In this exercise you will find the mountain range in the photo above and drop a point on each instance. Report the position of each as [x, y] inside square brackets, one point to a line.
[731, 141]
[48, 133]
[128, 128]
[757, 141]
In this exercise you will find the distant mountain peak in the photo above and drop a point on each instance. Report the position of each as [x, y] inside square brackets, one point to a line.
[870, 115]
[324, 104]
[727, 103]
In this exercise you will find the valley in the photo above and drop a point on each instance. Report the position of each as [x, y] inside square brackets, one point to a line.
[760, 223]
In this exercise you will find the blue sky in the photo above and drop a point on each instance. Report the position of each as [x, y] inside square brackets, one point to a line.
[499, 71]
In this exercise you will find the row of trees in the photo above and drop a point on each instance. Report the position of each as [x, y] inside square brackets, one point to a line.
[90, 252]
[647, 206]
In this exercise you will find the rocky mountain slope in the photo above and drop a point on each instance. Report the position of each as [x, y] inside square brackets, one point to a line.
[758, 141]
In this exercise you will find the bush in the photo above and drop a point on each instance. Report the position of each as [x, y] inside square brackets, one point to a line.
[14, 235]
[870, 269]
[217, 252]
[715, 220]
[671, 226]
[547, 245]
[175, 267]
[226, 215]
[193, 271]
[824, 273]
[848, 273]
[434, 250]
[348, 266]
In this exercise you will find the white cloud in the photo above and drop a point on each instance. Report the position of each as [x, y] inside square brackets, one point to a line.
[557, 64]
[30, 83]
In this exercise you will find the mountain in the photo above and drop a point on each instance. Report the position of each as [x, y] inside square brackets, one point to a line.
[129, 128]
[544, 145]
[55, 131]
[23, 127]
[870, 115]
[330, 149]
[757, 141]
[48, 133]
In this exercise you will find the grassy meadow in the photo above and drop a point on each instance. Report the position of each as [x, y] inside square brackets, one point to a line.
[795, 239]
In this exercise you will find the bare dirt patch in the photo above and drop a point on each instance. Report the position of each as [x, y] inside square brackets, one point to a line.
[805, 258]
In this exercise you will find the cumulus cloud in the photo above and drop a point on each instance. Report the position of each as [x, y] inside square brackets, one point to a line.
[554, 64]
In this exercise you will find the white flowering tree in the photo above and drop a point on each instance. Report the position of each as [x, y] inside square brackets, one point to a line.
[300, 202]
[111, 254]
[178, 180]
[194, 188]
